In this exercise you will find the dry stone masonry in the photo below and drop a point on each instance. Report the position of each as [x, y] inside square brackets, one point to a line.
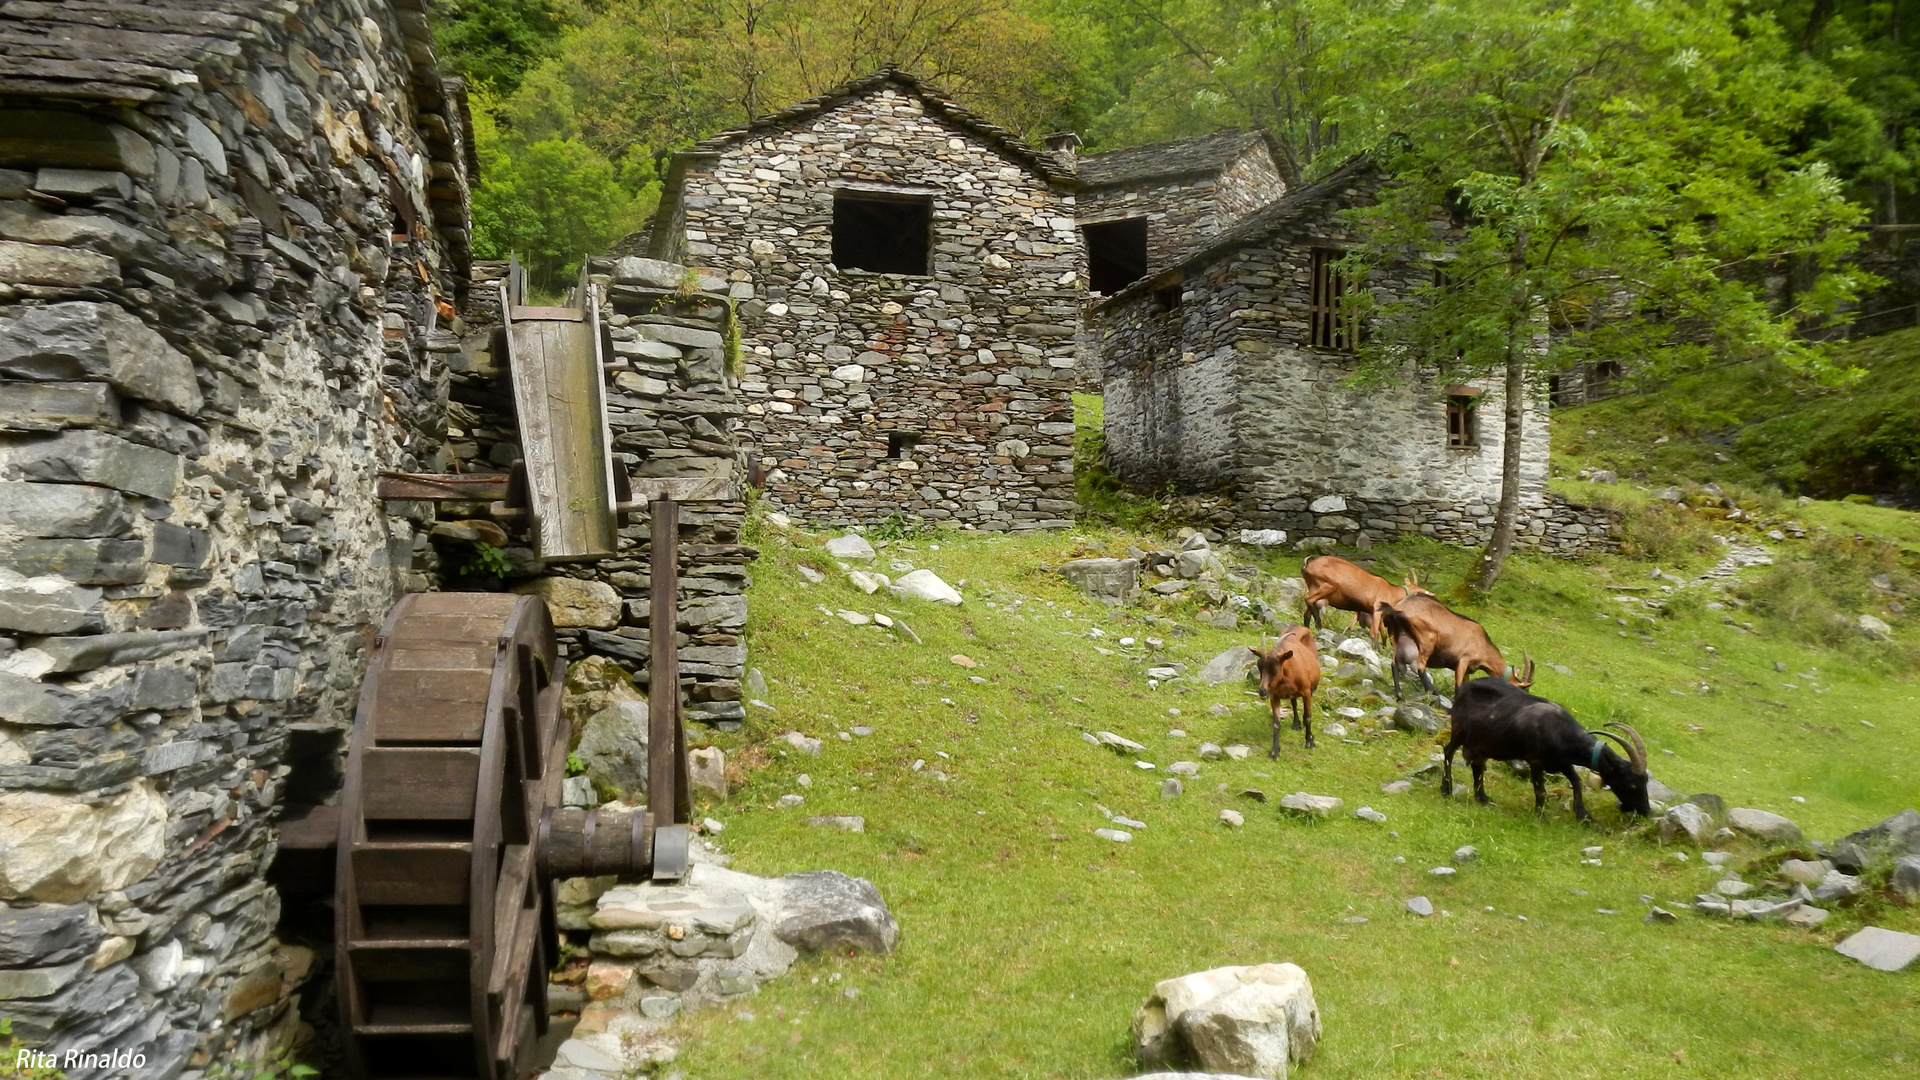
[1212, 387]
[1188, 190]
[941, 393]
[227, 232]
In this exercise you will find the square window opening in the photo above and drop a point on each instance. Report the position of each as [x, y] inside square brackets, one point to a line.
[1169, 298]
[1116, 253]
[887, 234]
[1330, 324]
[1601, 377]
[900, 444]
[1463, 421]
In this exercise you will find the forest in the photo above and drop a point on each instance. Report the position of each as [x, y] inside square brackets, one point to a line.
[579, 103]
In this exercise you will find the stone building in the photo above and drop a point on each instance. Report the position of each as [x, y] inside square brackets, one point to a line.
[1145, 207]
[1225, 373]
[909, 281]
[232, 242]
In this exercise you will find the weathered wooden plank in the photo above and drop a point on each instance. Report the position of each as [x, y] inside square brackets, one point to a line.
[412, 873]
[545, 314]
[431, 706]
[420, 783]
[445, 487]
[561, 406]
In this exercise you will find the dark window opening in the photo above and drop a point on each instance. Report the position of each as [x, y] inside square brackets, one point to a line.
[900, 444]
[1462, 421]
[1116, 253]
[1601, 377]
[1332, 325]
[1557, 391]
[887, 234]
[1169, 298]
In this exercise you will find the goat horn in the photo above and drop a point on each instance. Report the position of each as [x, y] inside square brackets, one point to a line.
[1639, 745]
[1623, 743]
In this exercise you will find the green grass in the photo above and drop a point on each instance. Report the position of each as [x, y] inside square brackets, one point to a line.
[1758, 424]
[1027, 942]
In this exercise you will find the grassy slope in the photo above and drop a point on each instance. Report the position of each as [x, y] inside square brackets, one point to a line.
[1028, 942]
[1755, 424]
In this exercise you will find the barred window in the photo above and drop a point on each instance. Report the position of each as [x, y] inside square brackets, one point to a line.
[1329, 326]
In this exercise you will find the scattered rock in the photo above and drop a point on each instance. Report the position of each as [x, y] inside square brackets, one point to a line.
[1874, 628]
[1762, 825]
[1420, 906]
[1805, 871]
[1172, 788]
[850, 546]
[1686, 823]
[853, 617]
[1255, 794]
[1118, 743]
[1109, 581]
[1397, 787]
[826, 909]
[963, 660]
[1905, 881]
[843, 822]
[1368, 813]
[1252, 1021]
[868, 583]
[1210, 751]
[1881, 949]
[789, 802]
[926, 585]
[1231, 665]
[1118, 836]
[1806, 916]
[1232, 817]
[1657, 914]
[1443, 871]
[1238, 751]
[1838, 886]
[707, 770]
[802, 743]
[1466, 853]
[1312, 805]
[811, 576]
[1416, 718]
[1188, 769]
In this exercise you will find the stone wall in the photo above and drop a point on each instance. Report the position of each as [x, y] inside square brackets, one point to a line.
[1223, 394]
[1184, 212]
[973, 360]
[210, 340]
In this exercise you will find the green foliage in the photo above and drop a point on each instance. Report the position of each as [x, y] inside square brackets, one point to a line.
[900, 526]
[281, 1067]
[480, 559]
[1814, 593]
[494, 42]
[576, 766]
[1102, 499]
[10, 1049]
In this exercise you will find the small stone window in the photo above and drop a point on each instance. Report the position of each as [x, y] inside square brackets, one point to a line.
[887, 234]
[1463, 419]
[1169, 298]
[1331, 327]
[1601, 377]
[1116, 253]
[900, 444]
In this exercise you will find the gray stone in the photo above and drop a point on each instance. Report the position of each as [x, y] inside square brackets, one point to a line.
[86, 562]
[651, 273]
[92, 457]
[707, 770]
[850, 546]
[926, 585]
[1874, 627]
[100, 650]
[176, 546]
[1310, 805]
[1466, 853]
[1118, 836]
[1762, 825]
[1686, 823]
[37, 982]
[83, 340]
[1881, 949]
[1416, 718]
[841, 822]
[54, 406]
[683, 336]
[1110, 581]
[1420, 906]
[1897, 835]
[69, 268]
[1171, 788]
[63, 510]
[1188, 769]
[825, 909]
[1806, 872]
[47, 605]
[1905, 881]
[1328, 504]
[1806, 917]
[1838, 886]
[1230, 665]
[46, 934]
[1252, 1021]
[613, 744]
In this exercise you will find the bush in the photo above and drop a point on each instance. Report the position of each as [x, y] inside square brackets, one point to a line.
[1816, 595]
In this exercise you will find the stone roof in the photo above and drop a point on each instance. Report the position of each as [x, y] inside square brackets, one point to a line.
[1197, 156]
[937, 101]
[1288, 210]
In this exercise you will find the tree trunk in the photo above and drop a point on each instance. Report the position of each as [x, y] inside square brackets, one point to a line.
[1494, 559]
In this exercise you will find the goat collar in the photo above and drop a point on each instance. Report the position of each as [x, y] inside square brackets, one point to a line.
[1598, 745]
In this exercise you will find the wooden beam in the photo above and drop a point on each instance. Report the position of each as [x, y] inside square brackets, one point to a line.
[440, 487]
[668, 800]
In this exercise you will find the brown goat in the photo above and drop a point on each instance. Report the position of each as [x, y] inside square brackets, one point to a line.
[1334, 582]
[1427, 633]
[1290, 669]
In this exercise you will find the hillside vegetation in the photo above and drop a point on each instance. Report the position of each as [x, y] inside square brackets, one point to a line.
[1027, 941]
[1759, 424]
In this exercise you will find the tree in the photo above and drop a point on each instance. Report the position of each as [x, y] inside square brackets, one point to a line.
[495, 41]
[1600, 178]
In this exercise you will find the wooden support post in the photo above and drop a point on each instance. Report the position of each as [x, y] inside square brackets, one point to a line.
[669, 802]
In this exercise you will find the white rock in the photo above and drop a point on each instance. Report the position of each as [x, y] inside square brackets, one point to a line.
[1229, 665]
[1252, 1021]
[1232, 817]
[1315, 805]
[1443, 871]
[1263, 537]
[1209, 751]
[1420, 906]
[1881, 949]
[1465, 853]
[1118, 836]
[1359, 649]
[1763, 825]
[1239, 751]
[810, 575]
[571, 602]
[853, 617]
[926, 585]
[1328, 504]
[53, 847]
[1368, 813]
[1118, 743]
[1685, 822]
[850, 546]
[1188, 769]
[852, 373]
[867, 583]
[802, 743]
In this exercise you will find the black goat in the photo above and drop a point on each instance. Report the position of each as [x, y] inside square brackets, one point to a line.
[1492, 718]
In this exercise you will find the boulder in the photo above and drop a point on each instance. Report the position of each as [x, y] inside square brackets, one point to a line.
[1685, 823]
[926, 585]
[1416, 718]
[60, 848]
[1311, 805]
[707, 770]
[1905, 881]
[1764, 826]
[1896, 836]
[649, 273]
[1251, 1021]
[1360, 649]
[826, 909]
[1229, 666]
[850, 546]
[613, 744]
[1881, 949]
[1875, 628]
[1109, 581]
[572, 602]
